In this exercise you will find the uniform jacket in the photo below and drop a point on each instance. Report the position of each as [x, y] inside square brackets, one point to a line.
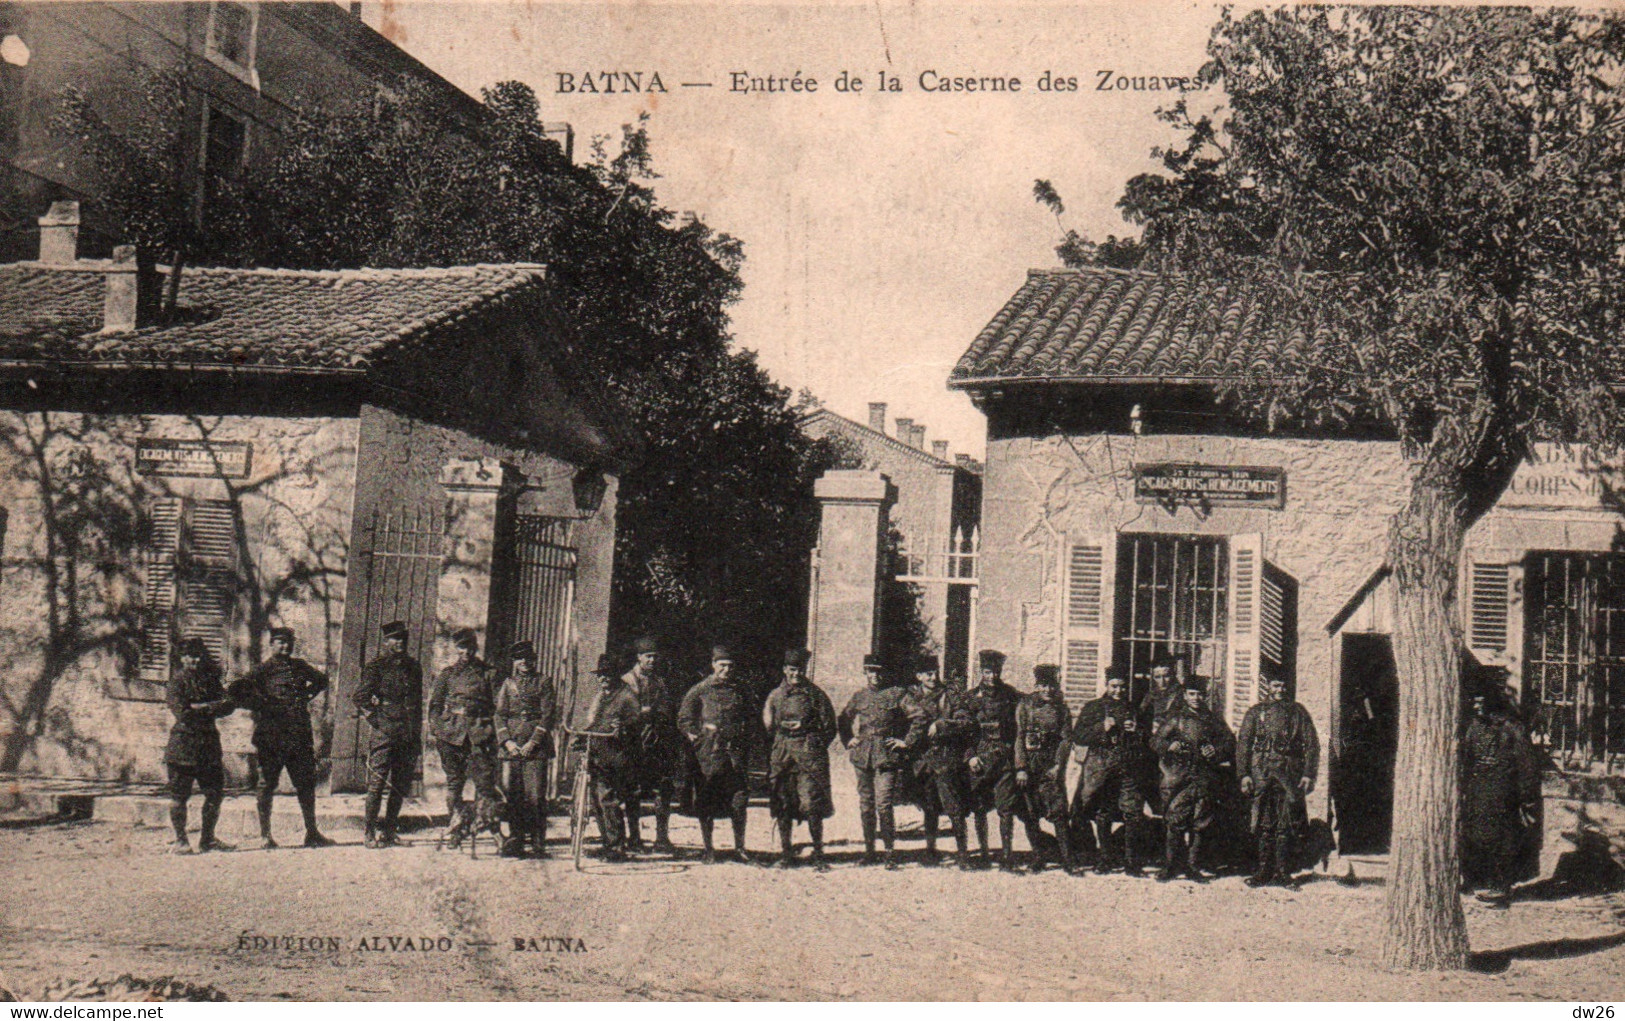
[659, 739]
[801, 720]
[1278, 745]
[527, 710]
[1116, 746]
[1042, 725]
[717, 718]
[948, 709]
[193, 739]
[1190, 729]
[615, 711]
[462, 703]
[870, 717]
[1500, 774]
[390, 696]
[1159, 702]
[993, 709]
[279, 691]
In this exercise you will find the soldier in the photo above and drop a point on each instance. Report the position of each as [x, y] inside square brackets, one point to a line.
[526, 713]
[1278, 757]
[1042, 728]
[873, 726]
[615, 714]
[991, 759]
[1164, 695]
[716, 718]
[1500, 787]
[196, 699]
[940, 725]
[390, 699]
[1193, 742]
[801, 720]
[462, 705]
[1112, 735]
[660, 746]
[279, 691]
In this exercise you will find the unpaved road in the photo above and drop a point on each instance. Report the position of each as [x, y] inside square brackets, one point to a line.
[96, 900]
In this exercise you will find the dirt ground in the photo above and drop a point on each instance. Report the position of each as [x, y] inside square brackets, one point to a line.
[85, 900]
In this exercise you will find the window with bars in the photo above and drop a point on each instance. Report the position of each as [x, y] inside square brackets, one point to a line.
[1574, 650]
[190, 587]
[1173, 599]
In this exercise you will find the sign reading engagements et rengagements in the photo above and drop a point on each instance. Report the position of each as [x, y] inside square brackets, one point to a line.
[195, 458]
[1210, 483]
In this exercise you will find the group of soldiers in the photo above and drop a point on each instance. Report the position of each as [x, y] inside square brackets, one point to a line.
[960, 752]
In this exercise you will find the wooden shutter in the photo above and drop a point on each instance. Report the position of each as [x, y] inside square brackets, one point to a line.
[208, 580]
[1246, 629]
[1492, 594]
[1085, 631]
[158, 589]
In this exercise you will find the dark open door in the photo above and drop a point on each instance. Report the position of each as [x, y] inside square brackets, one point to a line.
[1362, 780]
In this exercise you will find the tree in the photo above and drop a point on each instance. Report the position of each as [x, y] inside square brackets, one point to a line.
[1075, 249]
[1436, 197]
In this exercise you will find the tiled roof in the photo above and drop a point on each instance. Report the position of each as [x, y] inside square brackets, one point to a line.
[863, 434]
[1113, 325]
[321, 320]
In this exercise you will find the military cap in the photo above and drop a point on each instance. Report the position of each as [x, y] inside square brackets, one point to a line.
[721, 653]
[872, 662]
[927, 664]
[394, 629]
[194, 647]
[466, 638]
[1047, 673]
[606, 666]
[1195, 682]
[646, 644]
[280, 632]
[796, 657]
[522, 650]
[990, 659]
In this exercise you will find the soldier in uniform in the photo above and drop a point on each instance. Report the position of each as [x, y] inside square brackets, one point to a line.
[1165, 694]
[873, 726]
[196, 699]
[279, 691]
[526, 713]
[1042, 728]
[462, 704]
[1278, 757]
[1500, 790]
[716, 717]
[390, 699]
[1112, 735]
[614, 713]
[1192, 743]
[801, 720]
[940, 726]
[990, 762]
[660, 746]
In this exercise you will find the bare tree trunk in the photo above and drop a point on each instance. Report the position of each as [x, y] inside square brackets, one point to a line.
[1426, 928]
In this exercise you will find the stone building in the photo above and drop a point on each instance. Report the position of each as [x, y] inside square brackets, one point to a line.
[1126, 516]
[325, 451]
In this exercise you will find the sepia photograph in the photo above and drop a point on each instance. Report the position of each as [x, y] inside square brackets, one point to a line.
[864, 500]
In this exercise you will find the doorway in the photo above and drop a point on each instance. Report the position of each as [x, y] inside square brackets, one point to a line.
[1362, 780]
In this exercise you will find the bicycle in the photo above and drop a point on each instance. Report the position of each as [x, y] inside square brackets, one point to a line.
[581, 793]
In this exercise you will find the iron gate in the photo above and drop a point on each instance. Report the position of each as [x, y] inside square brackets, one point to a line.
[1574, 655]
[402, 554]
[540, 602]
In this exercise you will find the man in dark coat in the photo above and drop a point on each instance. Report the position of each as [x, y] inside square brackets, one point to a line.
[390, 699]
[196, 699]
[1278, 758]
[990, 761]
[1500, 791]
[462, 707]
[526, 713]
[1111, 734]
[1043, 726]
[1193, 744]
[279, 692]
[939, 729]
[660, 746]
[614, 718]
[873, 727]
[801, 721]
[718, 720]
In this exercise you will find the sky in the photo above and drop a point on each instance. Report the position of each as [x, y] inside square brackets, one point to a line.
[882, 230]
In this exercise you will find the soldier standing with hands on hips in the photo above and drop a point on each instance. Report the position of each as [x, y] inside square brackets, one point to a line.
[873, 726]
[1278, 757]
[802, 721]
[279, 692]
[461, 710]
[390, 699]
[196, 700]
[526, 713]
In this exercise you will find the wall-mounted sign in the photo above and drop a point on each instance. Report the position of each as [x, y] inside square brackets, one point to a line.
[1559, 478]
[1210, 484]
[195, 458]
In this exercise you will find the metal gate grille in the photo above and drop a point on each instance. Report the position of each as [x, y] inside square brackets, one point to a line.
[1172, 593]
[1574, 606]
[543, 593]
[402, 556]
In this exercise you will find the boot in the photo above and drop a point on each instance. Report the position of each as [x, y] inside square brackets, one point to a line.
[1193, 861]
[207, 841]
[708, 856]
[1265, 873]
[981, 840]
[868, 841]
[961, 844]
[815, 828]
[263, 808]
[307, 808]
[390, 834]
[1007, 834]
[1131, 849]
[177, 822]
[740, 854]
[1172, 846]
[787, 847]
[931, 857]
[634, 826]
[538, 836]
[663, 844]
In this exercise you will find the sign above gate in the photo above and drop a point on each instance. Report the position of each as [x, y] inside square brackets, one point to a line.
[196, 458]
[1172, 483]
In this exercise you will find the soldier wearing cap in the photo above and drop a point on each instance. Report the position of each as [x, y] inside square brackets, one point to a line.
[717, 719]
[873, 727]
[462, 706]
[1192, 743]
[526, 713]
[1165, 693]
[279, 692]
[990, 760]
[940, 727]
[196, 699]
[390, 699]
[660, 745]
[1278, 757]
[1500, 794]
[1043, 729]
[614, 719]
[1111, 737]
[801, 720]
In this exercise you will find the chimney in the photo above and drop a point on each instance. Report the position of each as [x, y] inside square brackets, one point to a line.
[355, 9]
[963, 460]
[877, 416]
[939, 449]
[905, 430]
[563, 133]
[59, 235]
[916, 438]
[120, 309]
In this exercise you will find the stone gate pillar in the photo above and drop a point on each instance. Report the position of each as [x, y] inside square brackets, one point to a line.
[845, 604]
[473, 486]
